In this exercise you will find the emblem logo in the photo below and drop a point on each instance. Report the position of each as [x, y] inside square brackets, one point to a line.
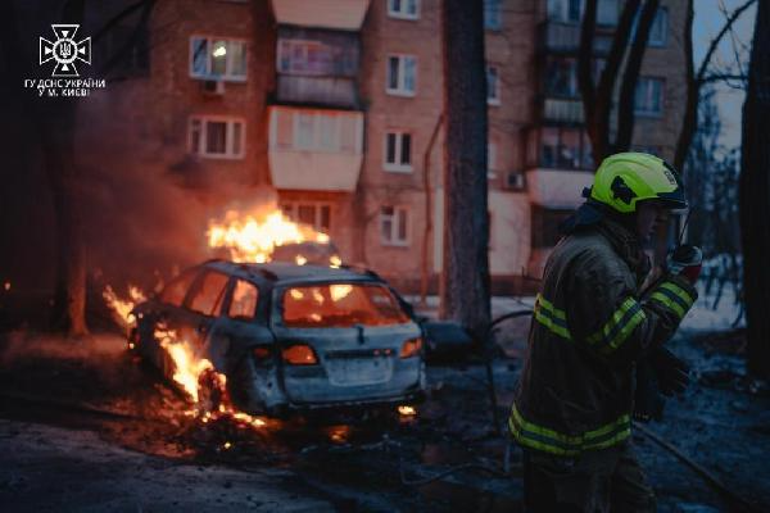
[66, 51]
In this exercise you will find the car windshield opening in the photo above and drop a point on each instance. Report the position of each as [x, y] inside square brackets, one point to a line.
[340, 305]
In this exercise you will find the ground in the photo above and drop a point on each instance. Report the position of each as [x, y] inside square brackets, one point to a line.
[84, 426]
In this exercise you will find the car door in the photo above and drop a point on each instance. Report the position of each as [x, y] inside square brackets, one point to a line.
[202, 307]
[164, 318]
[241, 345]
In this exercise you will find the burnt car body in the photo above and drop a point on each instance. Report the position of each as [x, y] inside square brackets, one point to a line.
[291, 337]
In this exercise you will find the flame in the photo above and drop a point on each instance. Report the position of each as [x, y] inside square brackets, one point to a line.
[252, 238]
[121, 308]
[187, 368]
[340, 292]
[300, 260]
[407, 411]
[335, 261]
[189, 371]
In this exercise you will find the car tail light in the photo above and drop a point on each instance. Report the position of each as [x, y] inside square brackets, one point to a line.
[261, 353]
[299, 354]
[411, 348]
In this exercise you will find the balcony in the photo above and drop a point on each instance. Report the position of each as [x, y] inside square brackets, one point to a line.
[557, 37]
[557, 188]
[561, 110]
[329, 14]
[317, 67]
[315, 149]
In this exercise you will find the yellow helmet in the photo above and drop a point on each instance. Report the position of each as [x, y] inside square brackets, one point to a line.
[625, 179]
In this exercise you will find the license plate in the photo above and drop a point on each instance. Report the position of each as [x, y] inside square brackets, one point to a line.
[347, 371]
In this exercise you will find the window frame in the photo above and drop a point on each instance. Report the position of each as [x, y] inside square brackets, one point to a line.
[398, 166]
[228, 76]
[197, 287]
[403, 14]
[661, 13]
[394, 240]
[495, 6]
[230, 297]
[400, 89]
[565, 12]
[495, 100]
[661, 100]
[292, 213]
[230, 122]
[491, 159]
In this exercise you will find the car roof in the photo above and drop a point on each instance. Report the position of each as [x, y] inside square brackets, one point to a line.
[284, 272]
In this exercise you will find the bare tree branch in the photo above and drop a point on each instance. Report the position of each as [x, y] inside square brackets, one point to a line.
[628, 87]
[715, 42]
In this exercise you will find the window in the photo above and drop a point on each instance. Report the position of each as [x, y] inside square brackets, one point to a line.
[659, 30]
[561, 77]
[491, 160]
[304, 57]
[564, 148]
[214, 137]
[317, 215]
[340, 305]
[404, 9]
[648, 100]
[566, 11]
[398, 152]
[243, 304]
[394, 226]
[492, 14]
[317, 131]
[402, 75]
[217, 59]
[493, 85]
[207, 295]
[175, 292]
[607, 13]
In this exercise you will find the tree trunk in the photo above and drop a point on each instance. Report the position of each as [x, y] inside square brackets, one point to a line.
[754, 196]
[54, 122]
[465, 276]
[626, 115]
[428, 233]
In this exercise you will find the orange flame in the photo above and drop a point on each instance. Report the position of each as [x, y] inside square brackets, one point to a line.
[189, 371]
[252, 238]
[121, 307]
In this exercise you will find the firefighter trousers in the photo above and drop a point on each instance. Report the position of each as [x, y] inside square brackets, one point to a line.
[607, 480]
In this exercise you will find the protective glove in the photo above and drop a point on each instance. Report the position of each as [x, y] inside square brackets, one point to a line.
[659, 373]
[648, 403]
[686, 260]
[671, 373]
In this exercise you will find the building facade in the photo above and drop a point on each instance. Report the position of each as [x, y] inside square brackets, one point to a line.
[332, 110]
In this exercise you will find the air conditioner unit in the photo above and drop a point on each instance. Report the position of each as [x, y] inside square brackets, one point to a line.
[515, 181]
[213, 87]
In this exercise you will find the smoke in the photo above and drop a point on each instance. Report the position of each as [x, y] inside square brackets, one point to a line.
[23, 345]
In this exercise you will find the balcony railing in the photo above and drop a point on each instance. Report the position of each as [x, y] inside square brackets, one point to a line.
[563, 110]
[315, 149]
[559, 37]
[329, 91]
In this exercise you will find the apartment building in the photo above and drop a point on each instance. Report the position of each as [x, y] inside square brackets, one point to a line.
[334, 105]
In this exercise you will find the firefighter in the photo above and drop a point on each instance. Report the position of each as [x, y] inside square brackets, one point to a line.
[592, 324]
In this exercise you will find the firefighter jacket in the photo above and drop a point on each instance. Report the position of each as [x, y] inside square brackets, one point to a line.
[589, 326]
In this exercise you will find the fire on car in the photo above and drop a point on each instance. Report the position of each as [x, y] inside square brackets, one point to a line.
[285, 337]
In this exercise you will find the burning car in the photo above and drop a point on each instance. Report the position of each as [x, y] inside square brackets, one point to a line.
[285, 337]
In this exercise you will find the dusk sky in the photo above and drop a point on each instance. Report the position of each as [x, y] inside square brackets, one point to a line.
[708, 21]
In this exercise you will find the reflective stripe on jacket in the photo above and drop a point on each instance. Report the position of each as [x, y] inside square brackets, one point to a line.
[589, 326]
